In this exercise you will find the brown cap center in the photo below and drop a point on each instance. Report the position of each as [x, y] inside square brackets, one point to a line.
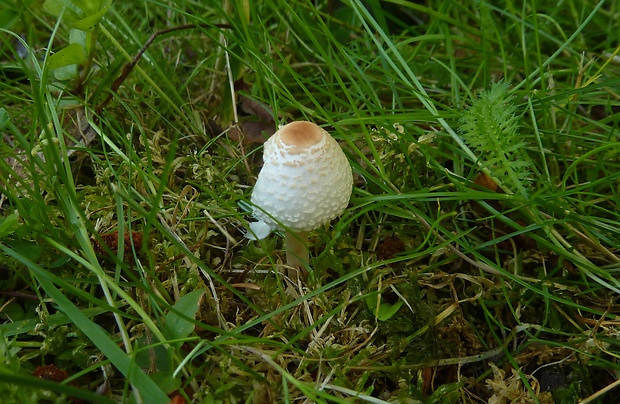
[301, 134]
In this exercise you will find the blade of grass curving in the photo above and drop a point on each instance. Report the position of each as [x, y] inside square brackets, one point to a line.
[106, 280]
[408, 76]
[66, 194]
[59, 171]
[148, 389]
[564, 46]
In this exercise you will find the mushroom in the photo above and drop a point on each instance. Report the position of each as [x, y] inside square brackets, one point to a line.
[305, 182]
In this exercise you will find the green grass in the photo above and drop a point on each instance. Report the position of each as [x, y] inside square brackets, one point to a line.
[431, 287]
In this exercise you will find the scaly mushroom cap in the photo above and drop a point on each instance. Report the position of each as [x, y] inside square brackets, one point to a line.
[306, 179]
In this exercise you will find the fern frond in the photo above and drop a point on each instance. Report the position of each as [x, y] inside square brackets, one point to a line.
[491, 127]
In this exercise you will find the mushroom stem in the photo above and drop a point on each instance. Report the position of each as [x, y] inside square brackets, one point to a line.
[297, 255]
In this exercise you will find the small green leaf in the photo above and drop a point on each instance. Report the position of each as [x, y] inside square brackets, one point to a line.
[78, 37]
[61, 7]
[371, 301]
[73, 54]
[66, 72]
[385, 311]
[177, 326]
[54, 7]
[82, 15]
[14, 312]
[165, 380]
[446, 394]
[89, 6]
[90, 21]
[8, 18]
[8, 224]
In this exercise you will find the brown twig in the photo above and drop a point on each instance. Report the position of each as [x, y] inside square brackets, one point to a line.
[130, 66]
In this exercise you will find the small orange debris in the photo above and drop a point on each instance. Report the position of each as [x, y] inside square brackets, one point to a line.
[111, 241]
[486, 182]
[50, 372]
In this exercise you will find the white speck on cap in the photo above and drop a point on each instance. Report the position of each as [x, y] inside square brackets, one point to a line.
[306, 179]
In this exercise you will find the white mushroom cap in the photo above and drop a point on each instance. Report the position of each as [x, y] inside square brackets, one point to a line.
[305, 182]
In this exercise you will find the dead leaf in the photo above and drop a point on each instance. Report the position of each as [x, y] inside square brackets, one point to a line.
[257, 124]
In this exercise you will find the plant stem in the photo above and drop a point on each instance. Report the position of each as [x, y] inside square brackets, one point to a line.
[297, 254]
